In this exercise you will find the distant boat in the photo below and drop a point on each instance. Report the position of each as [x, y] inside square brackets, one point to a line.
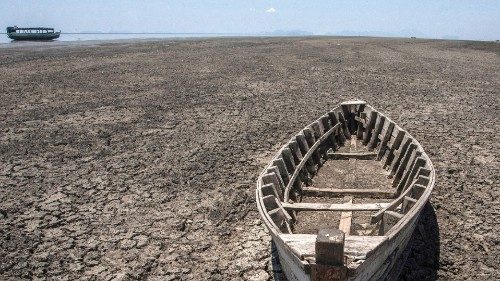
[32, 33]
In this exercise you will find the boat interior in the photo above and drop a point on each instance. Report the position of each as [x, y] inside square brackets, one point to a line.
[353, 169]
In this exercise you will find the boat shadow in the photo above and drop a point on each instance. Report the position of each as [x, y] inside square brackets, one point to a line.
[420, 259]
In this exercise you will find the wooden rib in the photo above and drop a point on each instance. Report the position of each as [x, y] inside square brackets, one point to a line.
[268, 189]
[351, 124]
[304, 160]
[334, 121]
[296, 153]
[327, 126]
[417, 191]
[378, 129]
[270, 202]
[389, 154]
[282, 169]
[355, 155]
[346, 220]
[385, 140]
[403, 164]
[334, 207]
[411, 169]
[390, 219]
[394, 204]
[281, 219]
[304, 148]
[287, 156]
[399, 155]
[272, 179]
[361, 125]
[381, 193]
[408, 203]
[310, 141]
[369, 127]
[275, 170]
[318, 130]
[344, 125]
[420, 162]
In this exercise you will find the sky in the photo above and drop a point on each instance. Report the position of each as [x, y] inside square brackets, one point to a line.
[457, 19]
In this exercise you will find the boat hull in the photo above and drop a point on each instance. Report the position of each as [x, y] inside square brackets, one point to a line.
[33, 36]
[285, 179]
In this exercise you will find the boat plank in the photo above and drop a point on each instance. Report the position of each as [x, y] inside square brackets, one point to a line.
[355, 155]
[334, 207]
[358, 247]
[382, 193]
[346, 220]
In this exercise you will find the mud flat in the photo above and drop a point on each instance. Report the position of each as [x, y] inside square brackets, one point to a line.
[137, 160]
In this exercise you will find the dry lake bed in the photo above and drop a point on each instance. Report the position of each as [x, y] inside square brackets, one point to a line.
[137, 160]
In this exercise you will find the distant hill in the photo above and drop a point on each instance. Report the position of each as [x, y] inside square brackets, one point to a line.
[287, 33]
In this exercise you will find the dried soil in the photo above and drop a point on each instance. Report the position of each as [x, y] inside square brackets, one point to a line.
[137, 160]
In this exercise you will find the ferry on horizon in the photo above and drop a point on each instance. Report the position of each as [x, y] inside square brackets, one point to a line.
[32, 33]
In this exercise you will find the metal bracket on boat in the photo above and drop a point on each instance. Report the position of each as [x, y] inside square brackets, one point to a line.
[330, 260]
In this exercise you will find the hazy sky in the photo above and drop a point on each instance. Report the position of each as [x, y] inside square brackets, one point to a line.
[466, 19]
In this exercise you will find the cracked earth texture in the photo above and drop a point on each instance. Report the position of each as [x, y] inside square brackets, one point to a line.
[137, 160]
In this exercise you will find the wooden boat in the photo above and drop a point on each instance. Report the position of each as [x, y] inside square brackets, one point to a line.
[343, 196]
[32, 33]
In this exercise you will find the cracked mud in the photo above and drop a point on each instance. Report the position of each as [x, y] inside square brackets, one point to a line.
[137, 160]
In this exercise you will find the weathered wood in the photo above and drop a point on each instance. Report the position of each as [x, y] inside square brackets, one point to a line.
[399, 155]
[331, 141]
[318, 131]
[329, 247]
[287, 156]
[304, 148]
[321, 272]
[269, 190]
[403, 164]
[273, 180]
[343, 123]
[356, 247]
[410, 174]
[349, 118]
[354, 102]
[389, 220]
[334, 207]
[296, 153]
[369, 127]
[339, 136]
[275, 170]
[374, 266]
[304, 160]
[394, 146]
[270, 202]
[394, 204]
[408, 203]
[422, 180]
[282, 169]
[385, 140]
[309, 135]
[379, 193]
[417, 191]
[355, 155]
[280, 219]
[379, 124]
[361, 114]
[297, 156]
[346, 220]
